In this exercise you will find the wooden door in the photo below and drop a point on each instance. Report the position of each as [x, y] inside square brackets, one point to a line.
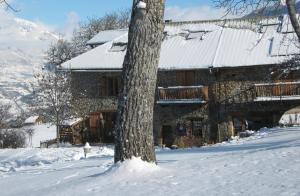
[108, 123]
[167, 136]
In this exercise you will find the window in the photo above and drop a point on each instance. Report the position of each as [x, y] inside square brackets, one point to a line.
[185, 78]
[184, 34]
[196, 35]
[112, 86]
[181, 129]
[197, 128]
[118, 47]
[109, 86]
[238, 125]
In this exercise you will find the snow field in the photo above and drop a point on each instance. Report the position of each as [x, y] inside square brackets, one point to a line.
[267, 163]
[22, 159]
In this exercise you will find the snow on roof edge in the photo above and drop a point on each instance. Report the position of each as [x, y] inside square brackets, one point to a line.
[119, 32]
[31, 119]
[110, 62]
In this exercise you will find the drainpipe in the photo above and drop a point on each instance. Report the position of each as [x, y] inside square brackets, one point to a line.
[214, 110]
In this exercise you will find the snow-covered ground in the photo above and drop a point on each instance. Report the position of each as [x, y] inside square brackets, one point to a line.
[267, 163]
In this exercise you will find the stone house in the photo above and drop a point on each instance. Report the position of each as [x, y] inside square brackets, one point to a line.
[213, 81]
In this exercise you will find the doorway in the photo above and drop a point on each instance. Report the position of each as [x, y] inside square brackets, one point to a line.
[167, 135]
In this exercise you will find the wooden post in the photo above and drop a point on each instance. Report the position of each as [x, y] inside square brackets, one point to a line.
[280, 91]
[230, 127]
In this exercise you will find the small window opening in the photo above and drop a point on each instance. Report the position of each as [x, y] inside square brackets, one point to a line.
[183, 34]
[280, 19]
[197, 128]
[181, 129]
[109, 86]
[196, 34]
[118, 47]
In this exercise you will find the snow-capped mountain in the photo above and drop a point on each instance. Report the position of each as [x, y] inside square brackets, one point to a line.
[22, 49]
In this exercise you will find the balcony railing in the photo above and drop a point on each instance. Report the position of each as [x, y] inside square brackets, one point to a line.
[277, 91]
[182, 95]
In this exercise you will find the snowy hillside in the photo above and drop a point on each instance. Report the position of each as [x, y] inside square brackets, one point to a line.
[22, 47]
[267, 164]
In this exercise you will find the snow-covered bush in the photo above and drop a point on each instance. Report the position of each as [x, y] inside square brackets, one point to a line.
[4, 114]
[12, 138]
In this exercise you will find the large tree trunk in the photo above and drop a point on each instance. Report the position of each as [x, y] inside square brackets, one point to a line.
[134, 127]
[293, 16]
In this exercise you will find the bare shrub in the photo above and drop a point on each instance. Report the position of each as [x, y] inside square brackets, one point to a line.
[12, 138]
[4, 114]
[30, 133]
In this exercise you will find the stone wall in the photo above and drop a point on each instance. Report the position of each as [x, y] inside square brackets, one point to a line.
[217, 117]
[174, 115]
[87, 84]
[228, 82]
[224, 81]
[86, 87]
[231, 100]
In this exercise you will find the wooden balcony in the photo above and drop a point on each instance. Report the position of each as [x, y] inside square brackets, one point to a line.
[182, 95]
[277, 91]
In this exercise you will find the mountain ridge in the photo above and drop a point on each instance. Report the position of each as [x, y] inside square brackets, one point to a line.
[23, 44]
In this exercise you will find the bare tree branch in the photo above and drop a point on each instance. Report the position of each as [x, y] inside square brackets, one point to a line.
[259, 7]
[238, 7]
[9, 6]
[293, 16]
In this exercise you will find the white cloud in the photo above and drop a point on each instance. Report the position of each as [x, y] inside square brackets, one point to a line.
[176, 13]
[22, 34]
[72, 22]
[7, 21]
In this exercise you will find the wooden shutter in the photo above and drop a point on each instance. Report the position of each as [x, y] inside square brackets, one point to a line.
[185, 78]
[189, 78]
[103, 87]
[180, 78]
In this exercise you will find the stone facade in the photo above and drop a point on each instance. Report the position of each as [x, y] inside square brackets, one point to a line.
[229, 103]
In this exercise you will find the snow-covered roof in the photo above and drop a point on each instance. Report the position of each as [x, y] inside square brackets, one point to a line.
[200, 45]
[72, 122]
[106, 36]
[31, 120]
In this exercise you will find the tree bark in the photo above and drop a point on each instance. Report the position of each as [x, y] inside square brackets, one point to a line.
[134, 126]
[291, 6]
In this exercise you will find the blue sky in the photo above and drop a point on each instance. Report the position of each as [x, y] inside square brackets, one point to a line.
[63, 16]
[55, 12]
